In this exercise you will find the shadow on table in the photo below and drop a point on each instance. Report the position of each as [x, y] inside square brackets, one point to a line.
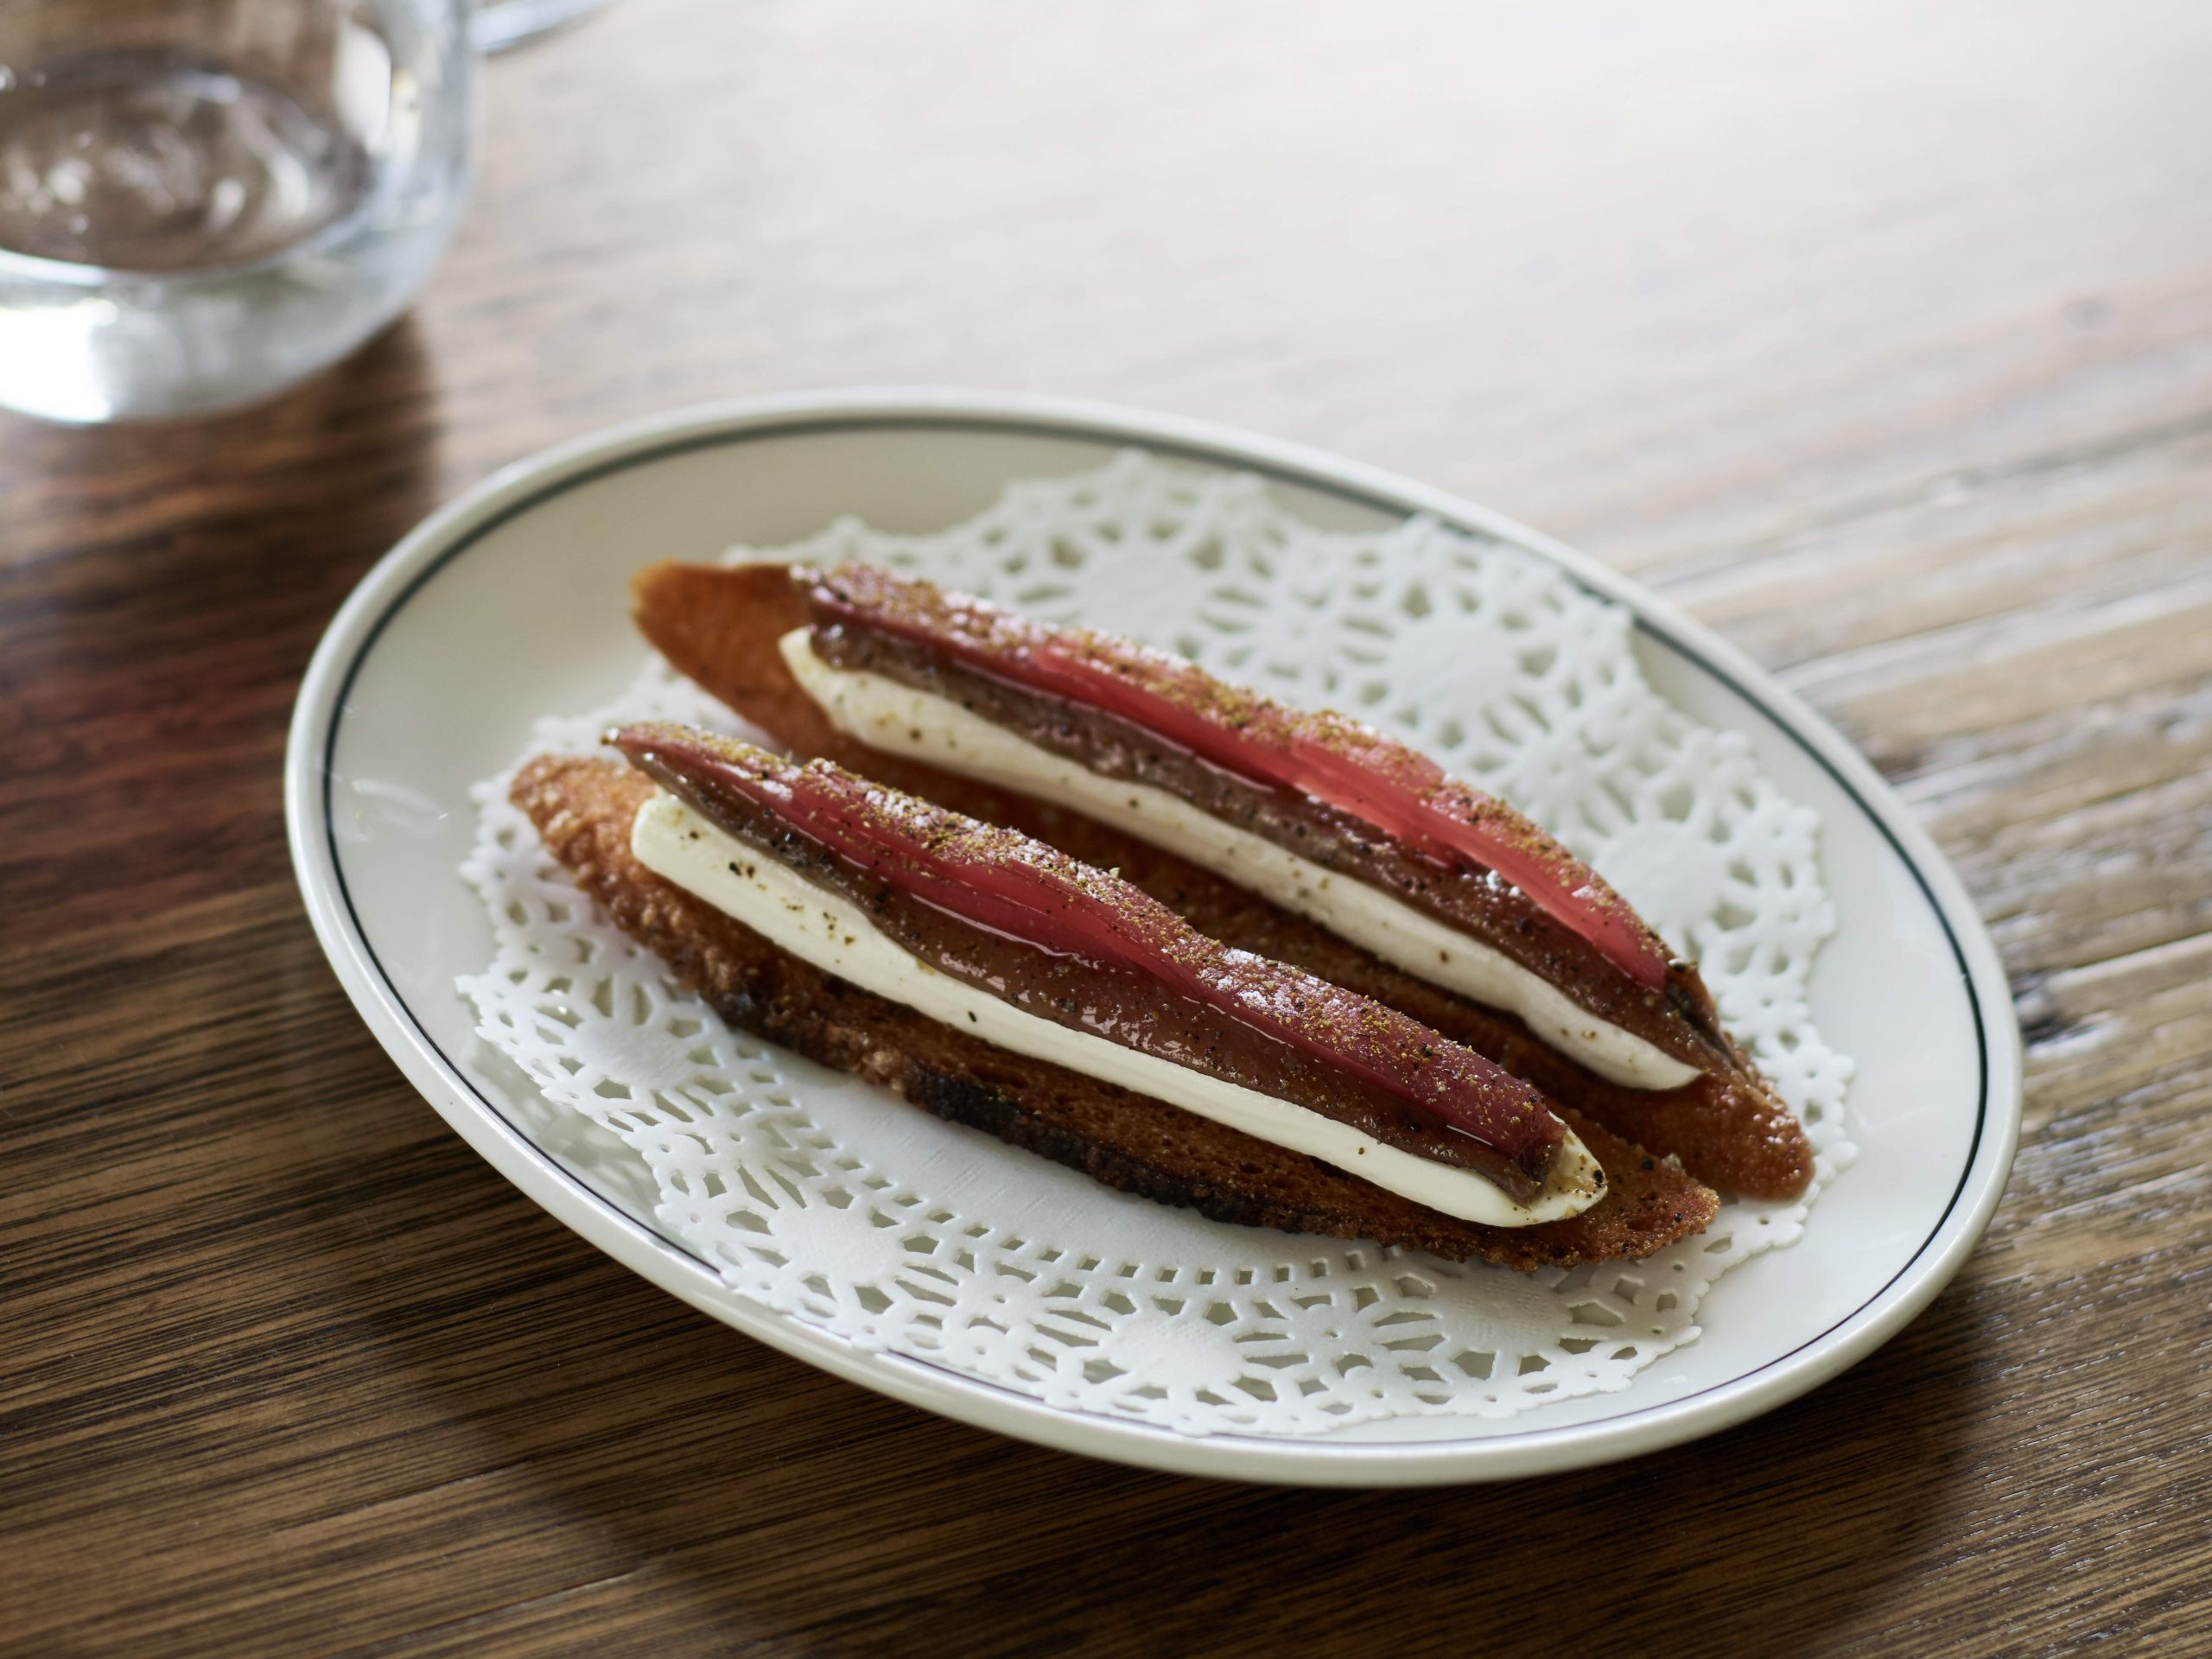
[686, 1482]
[162, 589]
[346, 460]
[1777, 1531]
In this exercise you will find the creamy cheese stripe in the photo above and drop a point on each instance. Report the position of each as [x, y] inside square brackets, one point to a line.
[821, 927]
[885, 715]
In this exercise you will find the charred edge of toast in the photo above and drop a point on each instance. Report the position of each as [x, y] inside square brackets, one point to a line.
[583, 808]
[718, 626]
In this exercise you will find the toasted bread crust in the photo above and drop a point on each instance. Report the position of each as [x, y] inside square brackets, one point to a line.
[583, 808]
[720, 626]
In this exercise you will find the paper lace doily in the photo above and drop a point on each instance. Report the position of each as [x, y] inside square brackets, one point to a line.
[837, 1204]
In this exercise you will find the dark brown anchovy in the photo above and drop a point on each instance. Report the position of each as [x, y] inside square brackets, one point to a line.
[976, 656]
[1086, 950]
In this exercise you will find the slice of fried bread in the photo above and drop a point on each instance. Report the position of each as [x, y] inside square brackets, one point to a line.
[720, 626]
[584, 808]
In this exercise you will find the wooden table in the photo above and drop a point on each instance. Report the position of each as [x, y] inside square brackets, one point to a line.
[1879, 335]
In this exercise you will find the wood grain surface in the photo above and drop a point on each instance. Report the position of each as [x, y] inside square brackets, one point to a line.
[1878, 334]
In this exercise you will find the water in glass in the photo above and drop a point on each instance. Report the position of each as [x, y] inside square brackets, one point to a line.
[202, 202]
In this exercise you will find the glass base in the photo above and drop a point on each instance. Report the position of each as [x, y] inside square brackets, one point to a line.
[495, 25]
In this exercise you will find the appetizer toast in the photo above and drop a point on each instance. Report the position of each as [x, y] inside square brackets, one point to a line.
[1305, 839]
[998, 983]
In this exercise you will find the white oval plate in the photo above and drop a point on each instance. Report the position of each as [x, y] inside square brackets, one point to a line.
[511, 603]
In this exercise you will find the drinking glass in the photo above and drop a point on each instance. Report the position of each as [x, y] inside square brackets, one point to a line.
[203, 201]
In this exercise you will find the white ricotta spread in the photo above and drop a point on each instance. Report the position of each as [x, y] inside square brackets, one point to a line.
[821, 927]
[899, 720]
